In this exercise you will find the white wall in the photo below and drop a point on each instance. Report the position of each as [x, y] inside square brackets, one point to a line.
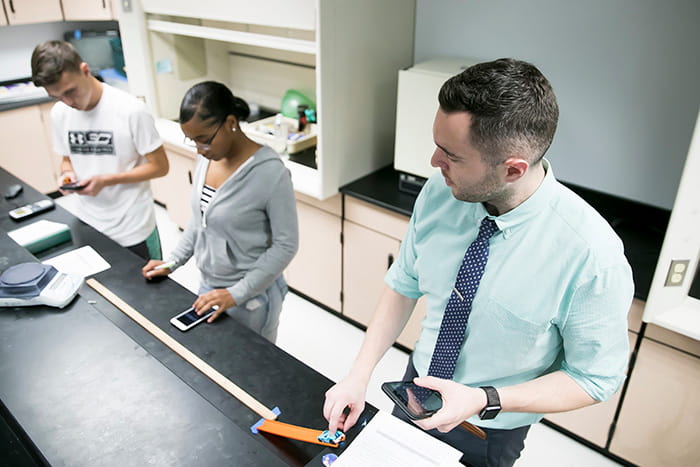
[626, 73]
[18, 42]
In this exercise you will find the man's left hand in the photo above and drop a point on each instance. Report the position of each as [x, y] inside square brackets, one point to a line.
[459, 402]
[217, 297]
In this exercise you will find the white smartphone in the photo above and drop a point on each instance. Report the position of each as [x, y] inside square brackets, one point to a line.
[189, 319]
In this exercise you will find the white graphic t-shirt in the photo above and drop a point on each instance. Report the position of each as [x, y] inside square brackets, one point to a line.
[110, 138]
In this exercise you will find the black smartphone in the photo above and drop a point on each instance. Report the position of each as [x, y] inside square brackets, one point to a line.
[416, 401]
[74, 186]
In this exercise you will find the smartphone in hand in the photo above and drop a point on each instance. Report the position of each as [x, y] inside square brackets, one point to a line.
[417, 402]
[189, 319]
[73, 186]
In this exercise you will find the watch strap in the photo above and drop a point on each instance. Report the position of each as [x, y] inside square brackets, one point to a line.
[493, 403]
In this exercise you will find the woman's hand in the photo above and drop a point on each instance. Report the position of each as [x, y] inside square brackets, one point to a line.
[149, 271]
[221, 298]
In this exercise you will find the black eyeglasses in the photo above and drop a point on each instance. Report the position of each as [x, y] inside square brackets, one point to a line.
[203, 146]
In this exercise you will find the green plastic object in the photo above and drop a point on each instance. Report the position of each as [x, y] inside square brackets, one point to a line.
[291, 100]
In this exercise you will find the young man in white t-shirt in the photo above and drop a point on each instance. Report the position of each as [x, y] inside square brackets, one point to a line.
[110, 147]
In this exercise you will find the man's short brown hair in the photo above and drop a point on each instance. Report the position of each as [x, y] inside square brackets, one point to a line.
[51, 59]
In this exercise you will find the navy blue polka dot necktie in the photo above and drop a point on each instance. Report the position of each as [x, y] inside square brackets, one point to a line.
[454, 321]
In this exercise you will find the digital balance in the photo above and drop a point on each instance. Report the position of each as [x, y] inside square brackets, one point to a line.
[29, 284]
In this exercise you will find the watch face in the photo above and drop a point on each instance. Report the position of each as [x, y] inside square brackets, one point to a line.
[489, 413]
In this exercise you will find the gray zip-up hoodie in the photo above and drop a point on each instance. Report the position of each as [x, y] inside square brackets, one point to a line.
[249, 232]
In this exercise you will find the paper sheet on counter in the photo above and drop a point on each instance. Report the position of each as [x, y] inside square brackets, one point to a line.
[83, 261]
[387, 441]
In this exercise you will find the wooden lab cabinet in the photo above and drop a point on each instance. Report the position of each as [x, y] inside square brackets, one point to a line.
[371, 241]
[89, 10]
[315, 270]
[174, 189]
[658, 422]
[32, 11]
[26, 151]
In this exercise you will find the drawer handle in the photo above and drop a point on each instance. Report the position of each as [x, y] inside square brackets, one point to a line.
[389, 260]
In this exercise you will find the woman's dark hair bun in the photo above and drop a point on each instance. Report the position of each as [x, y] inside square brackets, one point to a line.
[214, 101]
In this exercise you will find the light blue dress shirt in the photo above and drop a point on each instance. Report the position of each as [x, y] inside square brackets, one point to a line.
[554, 295]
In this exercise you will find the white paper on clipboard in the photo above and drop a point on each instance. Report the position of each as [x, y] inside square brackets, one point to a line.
[387, 441]
[83, 262]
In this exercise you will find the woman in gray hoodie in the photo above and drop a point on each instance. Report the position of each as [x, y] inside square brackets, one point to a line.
[243, 231]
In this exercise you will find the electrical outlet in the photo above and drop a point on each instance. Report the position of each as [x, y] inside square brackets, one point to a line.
[676, 272]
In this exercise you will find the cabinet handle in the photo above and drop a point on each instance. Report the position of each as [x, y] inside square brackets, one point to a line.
[104, 4]
[389, 261]
[12, 7]
[189, 175]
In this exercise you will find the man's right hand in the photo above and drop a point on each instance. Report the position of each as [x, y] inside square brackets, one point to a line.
[350, 393]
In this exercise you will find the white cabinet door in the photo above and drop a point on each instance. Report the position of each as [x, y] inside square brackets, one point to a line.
[299, 14]
[86, 10]
[33, 11]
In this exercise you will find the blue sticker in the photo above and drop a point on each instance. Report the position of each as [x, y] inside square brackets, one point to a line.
[164, 66]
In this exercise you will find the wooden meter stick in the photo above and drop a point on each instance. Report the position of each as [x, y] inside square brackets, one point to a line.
[185, 353]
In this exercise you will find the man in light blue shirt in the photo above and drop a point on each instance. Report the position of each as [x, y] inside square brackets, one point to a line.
[548, 325]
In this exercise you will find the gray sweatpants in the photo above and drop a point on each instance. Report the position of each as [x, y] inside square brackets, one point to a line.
[261, 313]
